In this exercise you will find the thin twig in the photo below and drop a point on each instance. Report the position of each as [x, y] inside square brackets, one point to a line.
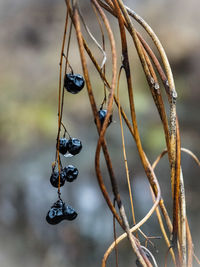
[94, 39]
[59, 101]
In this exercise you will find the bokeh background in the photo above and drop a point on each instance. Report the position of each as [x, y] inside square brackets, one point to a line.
[30, 43]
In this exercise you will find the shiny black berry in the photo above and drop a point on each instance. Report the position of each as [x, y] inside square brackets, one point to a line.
[69, 213]
[55, 214]
[74, 83]
[102, 114]
[74, 146]
[63, 146]
[71, 173]
[59, 212]
[55, 177]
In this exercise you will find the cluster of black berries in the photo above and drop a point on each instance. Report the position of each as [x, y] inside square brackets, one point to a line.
[72, 146]
[59, 210]
[68, 174]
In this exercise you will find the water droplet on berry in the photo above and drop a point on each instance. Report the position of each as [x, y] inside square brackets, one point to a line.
[68, 155]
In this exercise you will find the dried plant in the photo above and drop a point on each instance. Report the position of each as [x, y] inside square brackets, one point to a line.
[158, 76]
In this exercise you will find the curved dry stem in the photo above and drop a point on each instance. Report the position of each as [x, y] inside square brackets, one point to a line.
[116, 101]
[147, 48]
[126, 120]
[102, 133]
[149, 61]
[75, 19]
[174, 152]
[110, 103]
[189, 152]
[150, 255]
[133, 229]
[185, 231]
[94, 39]
[102, 75]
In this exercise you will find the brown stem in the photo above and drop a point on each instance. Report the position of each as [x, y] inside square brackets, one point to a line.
[59, 101]
[135, 246]
[76, 22]
[176, 198]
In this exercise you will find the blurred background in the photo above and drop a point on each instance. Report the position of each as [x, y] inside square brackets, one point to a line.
[30, 43]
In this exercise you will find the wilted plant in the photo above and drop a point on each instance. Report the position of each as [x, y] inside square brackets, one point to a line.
[159, 76]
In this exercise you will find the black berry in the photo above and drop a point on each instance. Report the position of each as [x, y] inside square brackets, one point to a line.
[63, 145]
[69, 213]
[55, 214]
[102, 114]
[74, 146]
[71, 173]
[59, 212]
[55, 177]
[74, 83]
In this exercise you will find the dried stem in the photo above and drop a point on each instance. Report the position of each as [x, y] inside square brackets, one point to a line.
[59, 101]
[181, 247]
[75, 19]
